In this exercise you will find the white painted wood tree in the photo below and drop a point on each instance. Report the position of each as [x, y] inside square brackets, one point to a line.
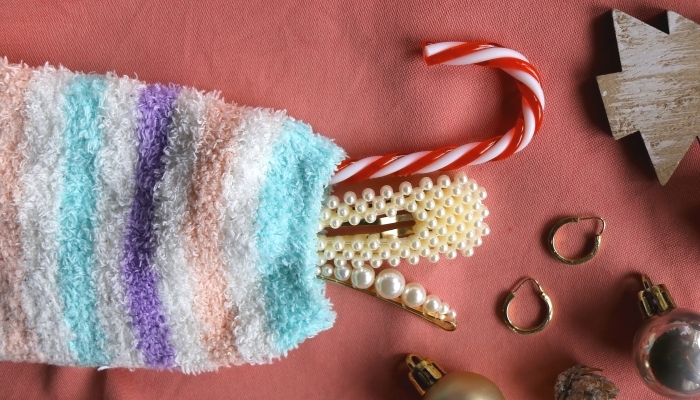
[658, 91]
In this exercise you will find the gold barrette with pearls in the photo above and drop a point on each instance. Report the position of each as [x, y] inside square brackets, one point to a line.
[446, 218]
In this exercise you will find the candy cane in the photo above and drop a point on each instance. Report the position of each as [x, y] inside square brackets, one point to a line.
[453, 157]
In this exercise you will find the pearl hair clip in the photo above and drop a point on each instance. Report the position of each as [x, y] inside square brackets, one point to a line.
[415, 222]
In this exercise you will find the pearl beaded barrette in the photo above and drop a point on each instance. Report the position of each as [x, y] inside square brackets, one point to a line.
[425, 221]
[429, 221]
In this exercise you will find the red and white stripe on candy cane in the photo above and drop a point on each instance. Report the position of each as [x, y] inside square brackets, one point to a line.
[453, 157]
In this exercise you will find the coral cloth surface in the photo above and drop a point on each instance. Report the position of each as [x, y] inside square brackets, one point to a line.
[354, 72]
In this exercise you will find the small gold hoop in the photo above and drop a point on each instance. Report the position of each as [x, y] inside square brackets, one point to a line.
[589, 256]
[543, 295]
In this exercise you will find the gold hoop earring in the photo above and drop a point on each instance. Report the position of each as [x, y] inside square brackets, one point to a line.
[543, 295]
[589, 256]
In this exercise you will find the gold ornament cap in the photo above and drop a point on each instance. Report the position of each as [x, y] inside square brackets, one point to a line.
[423, 373]
[654, 300]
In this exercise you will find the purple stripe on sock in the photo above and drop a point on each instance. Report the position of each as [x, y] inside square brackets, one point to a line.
[155, 106]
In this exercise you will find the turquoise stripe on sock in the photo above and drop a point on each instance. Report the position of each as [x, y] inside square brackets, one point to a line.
[77, 218]
[287, 219]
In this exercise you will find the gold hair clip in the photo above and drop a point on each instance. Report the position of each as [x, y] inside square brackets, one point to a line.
[422, 222]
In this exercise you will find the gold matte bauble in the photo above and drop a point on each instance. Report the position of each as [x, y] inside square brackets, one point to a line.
[434, 384]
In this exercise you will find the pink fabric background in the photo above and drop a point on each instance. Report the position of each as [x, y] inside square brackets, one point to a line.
[353, 71]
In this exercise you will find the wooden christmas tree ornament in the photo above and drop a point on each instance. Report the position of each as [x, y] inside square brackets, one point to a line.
[658, 91]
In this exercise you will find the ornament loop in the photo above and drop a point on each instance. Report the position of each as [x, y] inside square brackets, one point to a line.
[596, 244]
[543, 295]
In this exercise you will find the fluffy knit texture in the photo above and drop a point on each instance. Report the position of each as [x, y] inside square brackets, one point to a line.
[153, 225]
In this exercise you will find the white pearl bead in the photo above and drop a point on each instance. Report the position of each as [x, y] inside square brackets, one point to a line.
[432, 304]
[434, 258]
[482, 194]
[485, 212]
[456, 191]
[375, 262]
[460, 228]
[366, 255]
[415, 245]
[458, 210]
[339, 262]
[390, 212]
[384, 254]
[470, 235]
[349, 198]
[343, 210]
[394, 261]
[478, 242]
[424, 233]
[469, 252]
[440, 212]
[336, 223]
[338, 243]
[473, 185]
[413, 295]
[373, 243]
[448, 202]
[399, 201]
[450, 220]
[329, 254]
[444, 308]
[357, 244]
[429, 204]
[443, 248]
[321, 244]
[354, 219]
[451, 315]
[451, 238]
[348, 254]
[325, 214]
[368, 195]
[361, 208]
[371, 216]
[426, 183]
[327, 270]
[413, 260]
[320, 261]
[433, 241]
[462, 245]
[467, 198]
[342, 273]
[444, 181]
[357, 263]
[421, 215]
[404, 253]
[432, 223]
[389, 283]
[419, 196]
[395, 244]
[469, 217]
[461, 178]
[405, 188]
[411, 206]
[378, 204]
[478, 224]
[362, 278]
[451, 255]
[486, 231]
[318, 271]
[332, 202]
[386, 191]
[442, 231]
[425, 251]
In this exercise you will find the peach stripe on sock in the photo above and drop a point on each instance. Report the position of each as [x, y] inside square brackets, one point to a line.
[202, 227]
[18, 342]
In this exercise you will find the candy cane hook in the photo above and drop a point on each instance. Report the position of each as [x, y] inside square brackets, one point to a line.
[453, 157]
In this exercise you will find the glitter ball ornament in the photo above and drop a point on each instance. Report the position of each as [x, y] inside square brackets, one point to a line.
[667, 345]
[582, 383]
